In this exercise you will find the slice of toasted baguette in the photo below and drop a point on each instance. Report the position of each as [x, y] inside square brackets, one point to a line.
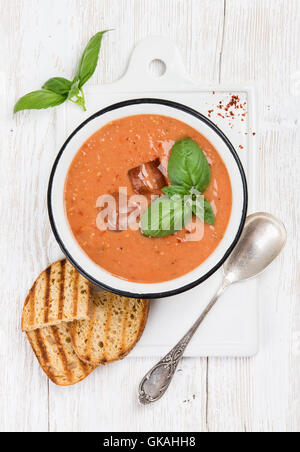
[115, 326]
[54, 350]
[60, 294]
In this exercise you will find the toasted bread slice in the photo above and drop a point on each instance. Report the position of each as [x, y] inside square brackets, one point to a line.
[54, 350]
[60, 294]
[115, 326]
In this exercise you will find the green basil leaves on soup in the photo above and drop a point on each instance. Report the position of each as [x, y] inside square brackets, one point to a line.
[188, 166]
[165, 216]
[209, 216]
[173, 190]
[190, 175]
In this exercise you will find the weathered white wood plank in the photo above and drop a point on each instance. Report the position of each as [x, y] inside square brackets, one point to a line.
[25, 159]
[107, 401]
[261, 45]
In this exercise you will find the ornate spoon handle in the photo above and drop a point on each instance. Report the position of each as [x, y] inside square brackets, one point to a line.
[156, 382]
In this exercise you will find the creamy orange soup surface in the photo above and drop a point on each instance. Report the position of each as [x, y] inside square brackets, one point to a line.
[101, 166]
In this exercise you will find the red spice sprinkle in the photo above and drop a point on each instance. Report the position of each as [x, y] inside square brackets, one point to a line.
[234, 108]
[241, 147]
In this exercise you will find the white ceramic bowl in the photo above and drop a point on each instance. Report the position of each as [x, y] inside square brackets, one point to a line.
[62, 230]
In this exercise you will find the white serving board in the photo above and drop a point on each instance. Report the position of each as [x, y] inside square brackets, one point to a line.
[231, 329]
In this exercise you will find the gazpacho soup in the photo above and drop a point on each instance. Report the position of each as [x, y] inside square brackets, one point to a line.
[148, 198]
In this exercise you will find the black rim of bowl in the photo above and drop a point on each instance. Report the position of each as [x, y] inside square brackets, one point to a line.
[202, 118]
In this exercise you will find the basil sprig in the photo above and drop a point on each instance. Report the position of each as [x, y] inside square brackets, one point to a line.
[190, 175]
[58, 90]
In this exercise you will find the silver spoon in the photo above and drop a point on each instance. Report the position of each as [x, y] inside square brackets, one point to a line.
[262, 240]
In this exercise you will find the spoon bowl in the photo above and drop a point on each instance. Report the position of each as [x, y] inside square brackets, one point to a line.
[262, 240]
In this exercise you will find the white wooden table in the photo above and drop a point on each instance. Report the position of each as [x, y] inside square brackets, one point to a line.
[233, 41]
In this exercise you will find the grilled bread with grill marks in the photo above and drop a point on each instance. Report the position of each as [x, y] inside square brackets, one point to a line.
[53, 348]
[115, 326]
[60, 294]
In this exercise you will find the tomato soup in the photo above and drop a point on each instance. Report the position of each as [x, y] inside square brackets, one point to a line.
[103, 164]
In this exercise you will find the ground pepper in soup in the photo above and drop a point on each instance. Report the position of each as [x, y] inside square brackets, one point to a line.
[117, 156]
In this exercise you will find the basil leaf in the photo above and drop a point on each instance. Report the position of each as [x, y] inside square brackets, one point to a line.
[89, 59]
[188, 166]
[209, 216]
[165, 217]
[206, 214]
[174, 190]
[74, 88]
[198, 206]
[38, 100]
[58, 85]
[203, 210]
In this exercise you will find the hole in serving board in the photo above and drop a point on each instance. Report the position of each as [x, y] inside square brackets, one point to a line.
[157, 68]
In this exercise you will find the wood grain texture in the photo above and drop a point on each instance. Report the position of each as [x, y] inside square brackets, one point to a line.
[230, 41]
[261, 45]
